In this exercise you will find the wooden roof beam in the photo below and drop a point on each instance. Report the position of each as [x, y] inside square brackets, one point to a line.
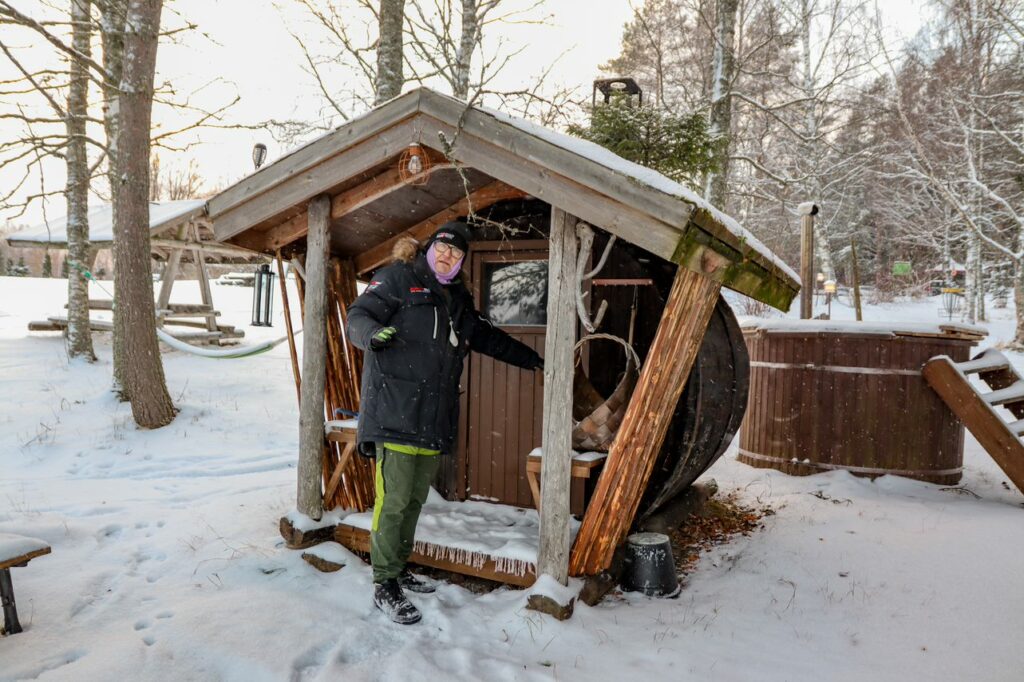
[480, 199]
[377, 187]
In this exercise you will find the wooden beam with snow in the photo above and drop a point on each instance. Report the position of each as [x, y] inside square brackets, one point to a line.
[360, 158]
[631, 459]
[477, 201]
[555, 540]
[314, 360]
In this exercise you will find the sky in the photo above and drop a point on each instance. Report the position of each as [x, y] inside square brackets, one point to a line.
[244, 49]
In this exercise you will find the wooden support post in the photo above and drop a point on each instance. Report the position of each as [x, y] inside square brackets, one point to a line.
[170, 272]
[555, 543]
[807, 213]
[856, 281]
[286, 309]
[631, 460]
[314, 359]
[204, 278]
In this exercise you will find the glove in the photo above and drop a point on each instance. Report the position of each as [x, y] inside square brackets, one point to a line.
[383, 338]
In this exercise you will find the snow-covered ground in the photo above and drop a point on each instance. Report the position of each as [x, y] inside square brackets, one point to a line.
[167, 563]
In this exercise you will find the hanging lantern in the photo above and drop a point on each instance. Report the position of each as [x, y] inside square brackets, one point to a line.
[414, 165]
[259, 154]
[263, 297]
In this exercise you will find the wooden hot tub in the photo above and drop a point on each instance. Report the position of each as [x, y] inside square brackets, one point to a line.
[830, 395]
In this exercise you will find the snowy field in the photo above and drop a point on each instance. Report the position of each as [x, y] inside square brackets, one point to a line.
[167, 563]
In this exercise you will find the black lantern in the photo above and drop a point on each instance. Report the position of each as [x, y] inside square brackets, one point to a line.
[623, 87]
[263, 297]
[259, 154]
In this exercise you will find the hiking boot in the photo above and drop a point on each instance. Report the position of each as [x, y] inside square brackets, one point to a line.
[413, 583]
[389, 598]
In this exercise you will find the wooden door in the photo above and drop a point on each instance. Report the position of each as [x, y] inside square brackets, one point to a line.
[503, 406]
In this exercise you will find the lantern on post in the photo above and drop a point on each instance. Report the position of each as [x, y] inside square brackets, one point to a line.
[263, 297]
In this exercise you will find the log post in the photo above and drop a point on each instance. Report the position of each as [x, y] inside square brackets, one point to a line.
[807, 212]
[553, 557]
[314, 359]
[638, 441]
[170, 272]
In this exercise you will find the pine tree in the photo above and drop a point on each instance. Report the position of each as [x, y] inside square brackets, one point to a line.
[676, 145]
[47, 265]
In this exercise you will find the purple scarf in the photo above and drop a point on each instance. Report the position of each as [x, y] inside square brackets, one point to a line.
[432, 262]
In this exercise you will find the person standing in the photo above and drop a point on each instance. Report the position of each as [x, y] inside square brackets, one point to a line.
[417, 322]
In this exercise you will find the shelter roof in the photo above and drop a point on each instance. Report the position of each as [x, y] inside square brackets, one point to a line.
[54, 233]
[480, 156]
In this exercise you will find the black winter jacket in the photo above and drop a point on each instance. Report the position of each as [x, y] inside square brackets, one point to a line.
[410, 391]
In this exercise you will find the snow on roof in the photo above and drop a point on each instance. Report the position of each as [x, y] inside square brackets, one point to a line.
[643, 175]
[852, 327]
[101, 222]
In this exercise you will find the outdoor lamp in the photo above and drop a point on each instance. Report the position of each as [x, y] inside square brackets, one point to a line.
[263, 297]
[413, 165]
[259, 154]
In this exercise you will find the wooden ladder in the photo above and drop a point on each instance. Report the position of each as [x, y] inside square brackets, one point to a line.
[1000, 438]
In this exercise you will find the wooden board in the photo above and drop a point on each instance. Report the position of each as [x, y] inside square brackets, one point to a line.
[614, 505]
[988, 427]
[23, 559]
[358, 540]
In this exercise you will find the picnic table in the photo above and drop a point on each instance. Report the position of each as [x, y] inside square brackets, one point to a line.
[15, 550]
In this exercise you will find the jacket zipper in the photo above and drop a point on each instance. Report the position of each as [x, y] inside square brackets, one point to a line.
[435, 322]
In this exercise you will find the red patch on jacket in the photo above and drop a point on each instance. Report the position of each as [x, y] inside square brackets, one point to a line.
[418, 290]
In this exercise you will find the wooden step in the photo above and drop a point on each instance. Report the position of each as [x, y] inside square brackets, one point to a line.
[1000, 440]
[1014, 393]
[988, 361]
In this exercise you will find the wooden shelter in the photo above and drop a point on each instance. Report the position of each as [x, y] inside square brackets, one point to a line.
[340, 203]
[179, 234]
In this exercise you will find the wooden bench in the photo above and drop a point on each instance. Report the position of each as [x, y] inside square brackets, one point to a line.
[340, 431]
[15, 550]
[584, 464]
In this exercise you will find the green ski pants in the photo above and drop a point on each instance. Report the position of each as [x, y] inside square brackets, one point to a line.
[402, 484]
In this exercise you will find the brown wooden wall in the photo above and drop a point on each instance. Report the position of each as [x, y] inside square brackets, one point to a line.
[815, 405]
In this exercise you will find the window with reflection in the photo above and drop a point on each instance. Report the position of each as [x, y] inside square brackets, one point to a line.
[516, 293]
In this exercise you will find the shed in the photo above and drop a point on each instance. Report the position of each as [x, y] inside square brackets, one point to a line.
[340, 202]
[179, 233]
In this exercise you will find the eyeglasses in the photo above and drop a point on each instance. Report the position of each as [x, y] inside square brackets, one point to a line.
[445, 249]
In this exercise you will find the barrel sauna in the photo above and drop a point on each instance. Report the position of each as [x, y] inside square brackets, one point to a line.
[834, 395]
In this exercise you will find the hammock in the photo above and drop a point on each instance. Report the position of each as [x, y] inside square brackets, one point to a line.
[223, 353]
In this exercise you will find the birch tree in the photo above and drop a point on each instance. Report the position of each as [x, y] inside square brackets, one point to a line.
[716, 187]
[390, 55]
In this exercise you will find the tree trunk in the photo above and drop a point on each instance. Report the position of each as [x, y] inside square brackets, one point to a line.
[112, 23]
[389, 50]
[716, 188]
[467, 45]
[77, 189]
[971, 278]
[133, 281]
[1018, 302]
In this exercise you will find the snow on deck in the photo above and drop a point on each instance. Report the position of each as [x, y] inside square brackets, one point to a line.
[101, 222]
[473, 532]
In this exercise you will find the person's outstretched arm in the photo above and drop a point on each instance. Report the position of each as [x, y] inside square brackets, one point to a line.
[490, 340]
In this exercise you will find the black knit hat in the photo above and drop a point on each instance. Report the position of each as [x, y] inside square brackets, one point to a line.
[455, 233]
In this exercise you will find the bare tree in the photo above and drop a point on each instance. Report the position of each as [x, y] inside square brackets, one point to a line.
[720, 117]
[133, 282]
[77, 188]
[390, 56]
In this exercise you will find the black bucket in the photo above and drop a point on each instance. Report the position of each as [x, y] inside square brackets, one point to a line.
[649, 566]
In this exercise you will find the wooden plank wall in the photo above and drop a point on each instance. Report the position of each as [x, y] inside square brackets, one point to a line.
[876, 421]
